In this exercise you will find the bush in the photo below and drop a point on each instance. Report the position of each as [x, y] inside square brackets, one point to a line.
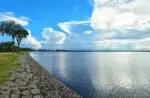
[6, 46]
[10, 46]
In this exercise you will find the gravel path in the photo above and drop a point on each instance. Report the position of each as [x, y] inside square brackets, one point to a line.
[32, 81]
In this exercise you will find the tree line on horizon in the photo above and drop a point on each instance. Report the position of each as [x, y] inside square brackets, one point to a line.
[15, 31]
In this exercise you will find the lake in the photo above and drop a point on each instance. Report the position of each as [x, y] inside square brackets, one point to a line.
[100, 74]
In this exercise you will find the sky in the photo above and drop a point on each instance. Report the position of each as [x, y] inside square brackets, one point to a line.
[81, 24]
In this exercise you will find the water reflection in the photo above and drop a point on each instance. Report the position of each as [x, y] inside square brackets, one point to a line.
[62, 68]
[101, 75]
[120, 77]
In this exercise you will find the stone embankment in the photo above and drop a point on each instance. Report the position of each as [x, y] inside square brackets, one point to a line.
[31, 80]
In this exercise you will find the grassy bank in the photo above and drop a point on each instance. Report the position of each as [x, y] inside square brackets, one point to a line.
[8, 60]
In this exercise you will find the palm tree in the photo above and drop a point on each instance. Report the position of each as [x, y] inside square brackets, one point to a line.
[20, 34]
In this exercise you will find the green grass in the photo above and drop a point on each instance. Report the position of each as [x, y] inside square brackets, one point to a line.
[8, 60]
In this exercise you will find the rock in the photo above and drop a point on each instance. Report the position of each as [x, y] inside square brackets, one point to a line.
[15, 91]
[29, 96]
[29, 75]
[20, 82]
[5, 88]
[12, 79]
[12, 84]
[35, 81]
[4, 96]
[26, 76]
[32, 81]
[20, 70]
[15, 96]
[35, 91]
[5, 93]
[26, 92]
[37, 96]
[28, 70]
[24, 88]
[1, 86]
[32, 86]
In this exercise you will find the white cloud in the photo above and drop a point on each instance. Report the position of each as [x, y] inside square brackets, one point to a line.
[121, 14]
[32, 42]
[88, 32]
[67, 26]
[123, 44]
[143, 44]
[52, 36]
[114, 24]
[78, 33]
[11, 16]
[107, 35]
[51, 39]
[113, 44]
[121, 24]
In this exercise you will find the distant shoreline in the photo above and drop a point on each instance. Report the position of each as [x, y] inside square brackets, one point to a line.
[91, 51]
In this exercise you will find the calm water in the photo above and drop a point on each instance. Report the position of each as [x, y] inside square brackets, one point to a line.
[100, 74]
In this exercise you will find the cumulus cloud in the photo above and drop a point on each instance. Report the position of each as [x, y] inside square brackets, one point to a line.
[88, 32]
[121, 14]
[114, 24]
[121, 24]
[11, 16]
[143, 44]
[51, 39]
[123, 44]
[32, 42]
[52, 36]
[78, 33]
[70, 26]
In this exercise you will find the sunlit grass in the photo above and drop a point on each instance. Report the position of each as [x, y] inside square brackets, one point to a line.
[8, 60]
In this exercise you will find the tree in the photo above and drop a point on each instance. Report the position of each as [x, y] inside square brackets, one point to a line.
[8, 27]
[2, 31]
[13, 29]
[20, 34]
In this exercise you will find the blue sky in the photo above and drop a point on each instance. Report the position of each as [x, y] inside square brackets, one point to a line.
[45, 13]
[81, 24]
